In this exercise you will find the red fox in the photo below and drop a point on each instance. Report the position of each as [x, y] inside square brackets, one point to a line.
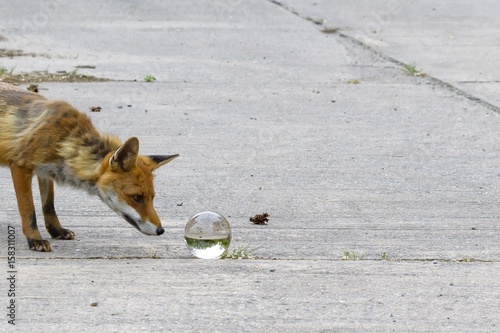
[55, 142]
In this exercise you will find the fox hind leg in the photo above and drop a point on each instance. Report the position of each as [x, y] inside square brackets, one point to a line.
[49, 213]
[22, 178]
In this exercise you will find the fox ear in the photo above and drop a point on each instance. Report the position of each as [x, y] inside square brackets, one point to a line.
[160, 160]
[125, 156]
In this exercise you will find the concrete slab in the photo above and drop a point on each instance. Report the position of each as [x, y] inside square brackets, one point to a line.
[248, 296]
[341, 147]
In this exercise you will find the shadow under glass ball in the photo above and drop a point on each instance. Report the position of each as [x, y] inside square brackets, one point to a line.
[207, 235]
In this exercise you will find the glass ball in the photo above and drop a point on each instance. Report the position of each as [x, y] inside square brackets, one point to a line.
[207, 235]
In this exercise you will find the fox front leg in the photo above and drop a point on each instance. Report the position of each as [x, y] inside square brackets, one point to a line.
[49, 213]
[22, 178]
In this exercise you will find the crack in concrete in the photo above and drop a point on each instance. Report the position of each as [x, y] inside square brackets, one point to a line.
[395, 260]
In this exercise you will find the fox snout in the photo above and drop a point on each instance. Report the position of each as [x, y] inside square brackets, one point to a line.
[149, 226]
[146, 228]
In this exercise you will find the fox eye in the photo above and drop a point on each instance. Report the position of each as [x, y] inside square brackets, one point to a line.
[138, 198]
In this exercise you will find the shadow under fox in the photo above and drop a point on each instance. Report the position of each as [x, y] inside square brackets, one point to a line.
[55, 142]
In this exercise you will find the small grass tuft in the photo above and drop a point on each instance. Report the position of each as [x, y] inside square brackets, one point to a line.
[4, 70]
[411, 69]
[467, 259]
[12, 70]
[353, 81]
[384, 255]
[351, 255]
[240, 252]
[149, 78]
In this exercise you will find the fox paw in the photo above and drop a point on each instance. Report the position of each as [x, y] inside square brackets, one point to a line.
[40, 245]
[61, 233]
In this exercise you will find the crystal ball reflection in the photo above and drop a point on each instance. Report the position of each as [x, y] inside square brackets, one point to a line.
[207, 235]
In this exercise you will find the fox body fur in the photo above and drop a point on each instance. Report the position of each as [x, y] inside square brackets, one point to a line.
[55, 142]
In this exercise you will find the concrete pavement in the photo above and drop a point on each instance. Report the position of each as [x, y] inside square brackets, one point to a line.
[455, 42]
[342, 148]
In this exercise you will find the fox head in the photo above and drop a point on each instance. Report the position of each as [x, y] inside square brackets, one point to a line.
[126, 186]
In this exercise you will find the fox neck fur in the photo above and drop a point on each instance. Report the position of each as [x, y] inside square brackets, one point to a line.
[80, 168]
